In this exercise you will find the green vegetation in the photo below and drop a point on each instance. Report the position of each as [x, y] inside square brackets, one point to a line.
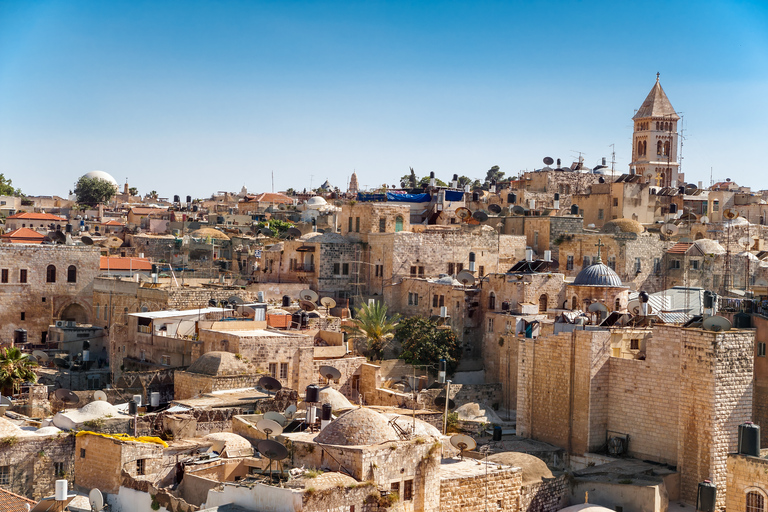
[276, 226]
[6, 187]
[313, 473]
[424, 343]
[15, 369]
[93, 191]
[372, 327]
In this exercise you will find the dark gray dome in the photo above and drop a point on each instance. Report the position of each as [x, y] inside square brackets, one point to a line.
[598, 275]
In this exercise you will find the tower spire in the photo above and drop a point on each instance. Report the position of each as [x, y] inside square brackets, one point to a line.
[657, 76]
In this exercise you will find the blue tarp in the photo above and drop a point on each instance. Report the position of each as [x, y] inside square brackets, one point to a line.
[454, 195]
[408, 198]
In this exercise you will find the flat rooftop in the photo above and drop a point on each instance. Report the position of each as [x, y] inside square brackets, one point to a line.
[228, 398]
[454, 468]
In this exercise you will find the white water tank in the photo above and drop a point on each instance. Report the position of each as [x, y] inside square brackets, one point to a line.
[61, 490]
[154, 399]
[137, 399]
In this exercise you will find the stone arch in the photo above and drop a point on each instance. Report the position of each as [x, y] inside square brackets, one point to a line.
[574, 302]
[75, 311]
[50, 274]
[543, 303]
[754, 499]
[492, 301]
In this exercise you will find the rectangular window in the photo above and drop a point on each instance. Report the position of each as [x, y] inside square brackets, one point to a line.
[435, 300]
[5, 475]
[442, 301]
[410, 299]
[481, 271]
[82, 453]
[382, 225]
[716, 206]
[638, 265]
[656, 265]
[408, 490]
[569, 263]
[345, 269]
[140, 466]
[490, 325]
[23, 275]
[59, 468]
[4, 278]
[761, 349]
[612, 262]
[350, 225]
[634, 344]
[357, 224]
[615, 201]
[421, 271]
[273, 370]
[413, 271]
[585, 262]
[23, 316]
[283, 370]
[165, 360]
[395, 487]
[337, 269]
[450, 269]
[674, 264]
[695, 264]
[459, 267]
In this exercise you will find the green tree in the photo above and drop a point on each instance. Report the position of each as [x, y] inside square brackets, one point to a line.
[424, 182]
[278, 227]
[93, 191]
[133, 191]
[373, 327]
[15, 369]
[6, 187]
[424, 342]
[464, 180]
[494, 174]
[153, 194]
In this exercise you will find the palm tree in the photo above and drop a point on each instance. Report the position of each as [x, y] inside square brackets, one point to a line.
[372, 326]
[15, 368]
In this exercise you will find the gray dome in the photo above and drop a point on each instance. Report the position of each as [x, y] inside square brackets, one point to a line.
[598, 275]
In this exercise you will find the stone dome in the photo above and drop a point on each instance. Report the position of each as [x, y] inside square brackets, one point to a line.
[229, 444]
[209, 232]
[423, 429]
[623, 226]
[218, 363]
[598, 274]
[534, 469]
[357, 427]
[101, 175]
[316, 201]
[586, 507]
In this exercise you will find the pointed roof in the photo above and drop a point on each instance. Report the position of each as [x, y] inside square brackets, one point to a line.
[24, 236]
[656, 104]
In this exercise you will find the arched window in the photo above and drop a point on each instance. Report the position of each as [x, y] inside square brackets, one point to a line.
[639, 148]
[755, 502]
[50, 274]
[543, 303]
[658, 148]
[657, 126]
[666, 148]
[398, 224]
[72, 274]
[492, 301]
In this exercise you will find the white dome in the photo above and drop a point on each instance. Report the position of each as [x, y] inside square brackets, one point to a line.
[316, 200]
[102, 176]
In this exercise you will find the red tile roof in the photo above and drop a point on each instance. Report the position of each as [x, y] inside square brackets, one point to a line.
[269, 197]
[37, 216]
[117, 263]
[113, 222]
[680, 248]
[23, 236]
[10, 502]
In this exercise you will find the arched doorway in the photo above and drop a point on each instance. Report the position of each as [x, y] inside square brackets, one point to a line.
[574, 302]
[543, 303]
[75, 312]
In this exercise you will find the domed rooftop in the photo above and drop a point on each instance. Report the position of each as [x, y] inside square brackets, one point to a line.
[329, 480]
[534, 469]
[101, 175]
[598, 275]
[423, 429]
[316, 201]
[357, 427]
[623, 226]
[209, 232]
[585, 507]
[229, 444]
[218, 363]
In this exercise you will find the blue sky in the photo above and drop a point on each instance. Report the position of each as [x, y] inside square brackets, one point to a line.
[193, 97]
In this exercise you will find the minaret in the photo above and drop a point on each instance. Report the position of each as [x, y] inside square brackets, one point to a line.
[654, 142]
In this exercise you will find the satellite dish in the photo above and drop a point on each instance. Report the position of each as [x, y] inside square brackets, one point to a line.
[100, 396]
[548, 160]
[463, 443]
[266, 232]
[494, 208]
[330, 373]
[272, 449]
[465, 277]
[669, 229]
[276, 417]
[463, 213]
[730, 214]
[290, 411]
[596, 306]
[270, 384]
[518, 210]
[4, 400]
[634, 307]
[307, 306]
[704, 219]
[480, 215]
[328, 302]
[716, 324]
[440, 402]
[690, 189]
[86, 240]
[308, 295]
[745, 242]
[294, 233]
[269, 427]
[235, 300]
[59, 237]
[40, 355]
[96, 500]
[61, 363]
[281, 206]
[246, 311]
[66, 396]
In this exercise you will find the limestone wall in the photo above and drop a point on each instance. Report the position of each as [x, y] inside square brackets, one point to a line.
[469, 494]
[32, 461]
[99, 461]
[549, 495]
[745, 474]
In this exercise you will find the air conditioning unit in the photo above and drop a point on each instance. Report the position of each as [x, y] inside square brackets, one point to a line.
[71, 323]
[443, 311]
[61, 323]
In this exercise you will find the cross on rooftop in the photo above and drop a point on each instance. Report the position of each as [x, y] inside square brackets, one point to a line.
[599, 246]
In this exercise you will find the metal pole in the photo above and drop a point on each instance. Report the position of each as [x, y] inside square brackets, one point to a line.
[445, 415]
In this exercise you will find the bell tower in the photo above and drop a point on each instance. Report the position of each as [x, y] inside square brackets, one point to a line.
[654, 142]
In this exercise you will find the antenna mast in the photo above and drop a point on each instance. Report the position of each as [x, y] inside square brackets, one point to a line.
[613, 160]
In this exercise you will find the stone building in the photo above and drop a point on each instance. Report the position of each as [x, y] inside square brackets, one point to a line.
[598, 284]
[36, 221]
[543, 232]
[43, 283]
[747, 483]
[628, 197]
[685, 398]
[213, 371]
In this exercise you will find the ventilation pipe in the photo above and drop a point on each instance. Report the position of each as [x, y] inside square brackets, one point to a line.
[441, 373]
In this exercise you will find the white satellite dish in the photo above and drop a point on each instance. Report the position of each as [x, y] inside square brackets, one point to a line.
[704, 219]
[276, 417]
[716, 324]
[597, 306]
[100, 396]
[745, 242]
[669, 229]
[290, 411]
[466, 278]
[269, 427]
[40, 355]
[96, 500]
[634, 307]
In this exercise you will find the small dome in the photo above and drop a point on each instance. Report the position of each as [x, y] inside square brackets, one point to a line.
[709, 246]
[329, 480]
[229, 444]
[208, 232]
[423, 429]
[598, 275]
[217, 364]
[357, 427]
[534, 469]
[586, 507]
[623, 226]
[316, 201]
[101, 175]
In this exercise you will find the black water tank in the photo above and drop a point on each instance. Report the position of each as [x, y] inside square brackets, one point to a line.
[19, 336]
[749, 439]
[326, 414]
[132, 407]
[511, 198]
[742, 321]
[673, 208]
[709, 299]
[475, 196]
[706, 497]
[68, 229]
[574, 209]
[505, 305]
[194, 208]
[557, 196]
[189, 199]
[286, 301]
[497, 433]
[154, 269]
[313, 394]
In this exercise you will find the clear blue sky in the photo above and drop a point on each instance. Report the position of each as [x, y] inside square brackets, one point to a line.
[192, 97]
